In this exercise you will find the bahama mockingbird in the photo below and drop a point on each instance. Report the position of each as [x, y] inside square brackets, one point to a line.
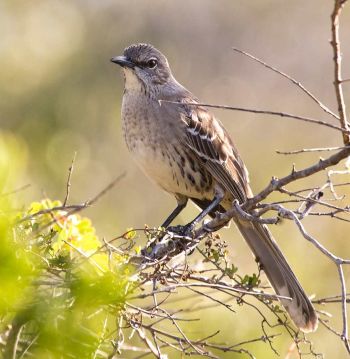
[188, 152]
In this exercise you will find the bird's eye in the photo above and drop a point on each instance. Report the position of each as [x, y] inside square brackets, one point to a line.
[152, 63]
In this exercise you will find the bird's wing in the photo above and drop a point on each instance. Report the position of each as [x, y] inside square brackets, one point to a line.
[207, 137]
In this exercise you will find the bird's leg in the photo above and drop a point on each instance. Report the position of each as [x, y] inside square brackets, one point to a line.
[181, 204]
[188, 228]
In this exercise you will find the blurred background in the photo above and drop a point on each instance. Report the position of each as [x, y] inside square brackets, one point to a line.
[60, 95]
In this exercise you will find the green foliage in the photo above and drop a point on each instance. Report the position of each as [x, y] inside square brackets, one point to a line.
[58, 283]
[231, 270]
[250, 281]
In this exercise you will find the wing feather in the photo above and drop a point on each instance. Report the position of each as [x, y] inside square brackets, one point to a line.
[212, 144]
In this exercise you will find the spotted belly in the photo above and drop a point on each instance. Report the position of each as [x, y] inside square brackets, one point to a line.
[174, 170]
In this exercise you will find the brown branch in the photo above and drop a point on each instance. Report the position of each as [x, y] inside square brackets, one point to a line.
[204, 344]
[286, 213]
[331, 299]
[216, 301]
[106, 189]
[338, 261]
[334, 185]
[338, 6]
[277, 184]
[325, 323]
[154, 330]
[189, 342]
[53, 210]
[314, 200]
[295, 82]
[152, 313]
[305, 150]
[153, 349]
[344, 337]
[264, 112]
[70, 171]
[75, 207]
[205, 283]
[22, 188]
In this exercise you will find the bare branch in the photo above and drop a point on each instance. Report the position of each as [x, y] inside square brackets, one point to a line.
[291, 215]
[264, 112]
[76, 207]
[338, 6]
[106, 189]
[206, 284]
[345, 337]
[332, 299]
[148, 342]
[277, 184]
[295, 82]
[304, 150]
[22, 188]
[70, 171]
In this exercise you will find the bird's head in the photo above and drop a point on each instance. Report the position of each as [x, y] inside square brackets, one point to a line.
[143, 65]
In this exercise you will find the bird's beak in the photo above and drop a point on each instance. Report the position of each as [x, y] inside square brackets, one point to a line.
[122, 61]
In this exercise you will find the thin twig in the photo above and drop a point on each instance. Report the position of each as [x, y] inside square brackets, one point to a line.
[53, 210]
[78, 208]
[147, 342]
[331, 299]
[264, 112]
[317, 149]
[16, 342]
[314, 200]
[106, 189]
[295, 82]
[338, 6]
[217, 301]
[290, 214]
[13, 337]
[206, 284]
[22, 188]
[344, 337]
[25, 351]
[277, 184]
[70, 171]
[189, 342]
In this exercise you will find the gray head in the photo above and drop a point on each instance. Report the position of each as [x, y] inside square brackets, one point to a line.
[145, 64]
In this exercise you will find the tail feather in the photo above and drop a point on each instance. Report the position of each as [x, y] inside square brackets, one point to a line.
[280, 275]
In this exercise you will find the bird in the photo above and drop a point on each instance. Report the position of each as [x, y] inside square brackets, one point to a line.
[186, 150]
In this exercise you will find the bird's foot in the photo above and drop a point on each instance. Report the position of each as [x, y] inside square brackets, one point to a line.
[186, 231]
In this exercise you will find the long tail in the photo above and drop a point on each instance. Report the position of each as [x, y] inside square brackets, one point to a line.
[280, 275]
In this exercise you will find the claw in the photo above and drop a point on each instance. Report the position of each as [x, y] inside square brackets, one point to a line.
[185, 231]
